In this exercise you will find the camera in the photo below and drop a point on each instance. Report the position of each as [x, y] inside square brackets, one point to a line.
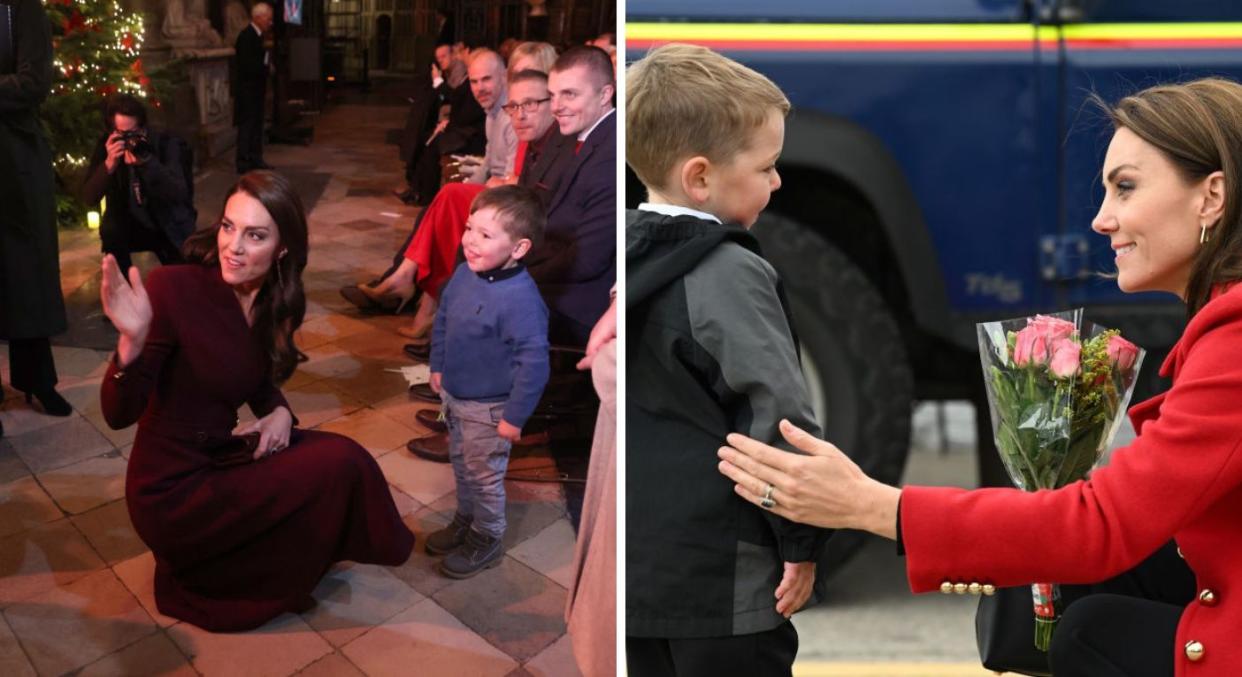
[136, 142]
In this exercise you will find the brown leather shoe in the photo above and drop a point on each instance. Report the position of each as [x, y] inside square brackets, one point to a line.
[430, 419]
[432, 448]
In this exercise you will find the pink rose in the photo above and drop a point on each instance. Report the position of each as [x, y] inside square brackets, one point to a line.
[1122, 353]
[1065, 357]
[1052, 327]
[1031, 347]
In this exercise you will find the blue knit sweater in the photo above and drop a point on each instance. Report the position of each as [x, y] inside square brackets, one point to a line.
[490, 340]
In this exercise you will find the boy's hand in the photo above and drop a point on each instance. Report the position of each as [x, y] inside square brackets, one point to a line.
[795, 587]
[508, 430]
[435, 381]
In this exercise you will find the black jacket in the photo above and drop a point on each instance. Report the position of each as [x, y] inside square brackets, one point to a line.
[709, 351]
[31, 305]
[167, 190]
[249, 75]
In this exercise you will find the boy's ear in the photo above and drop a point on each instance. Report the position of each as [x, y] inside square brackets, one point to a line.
[521, 248]
[694, 178]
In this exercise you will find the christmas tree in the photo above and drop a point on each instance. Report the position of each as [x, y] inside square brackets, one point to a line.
[96, 49]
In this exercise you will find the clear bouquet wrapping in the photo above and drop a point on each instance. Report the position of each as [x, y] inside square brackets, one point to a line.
[1057, 387]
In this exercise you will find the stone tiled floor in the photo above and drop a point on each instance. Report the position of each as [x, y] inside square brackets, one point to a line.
[76, 582]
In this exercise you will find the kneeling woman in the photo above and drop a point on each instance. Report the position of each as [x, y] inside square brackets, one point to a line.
[241, 532]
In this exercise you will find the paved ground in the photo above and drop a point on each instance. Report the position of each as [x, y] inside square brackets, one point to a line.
[75, 581]
[871, 625]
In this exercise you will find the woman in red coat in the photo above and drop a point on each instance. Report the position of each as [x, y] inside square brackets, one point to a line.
[240, 535]
[1172, 210]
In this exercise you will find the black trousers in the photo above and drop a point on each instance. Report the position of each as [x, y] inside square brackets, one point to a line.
[1126, 626]
[31, 368]
[124, 238]
[249, 138]
[762, 654]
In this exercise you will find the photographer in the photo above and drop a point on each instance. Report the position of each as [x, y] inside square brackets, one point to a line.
[147, 178]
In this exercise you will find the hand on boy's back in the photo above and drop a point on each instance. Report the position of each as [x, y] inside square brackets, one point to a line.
[795, 587]
[435, 381]
[508, 430]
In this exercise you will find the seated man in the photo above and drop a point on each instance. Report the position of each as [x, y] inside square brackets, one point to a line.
[147, 177]
[487, 86]
[458, 129]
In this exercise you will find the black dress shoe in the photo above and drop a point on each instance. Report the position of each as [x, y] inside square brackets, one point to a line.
[430, 419]
[418, 352]
[404, 195]
[423, 391]
[433, 448]
[51, 401]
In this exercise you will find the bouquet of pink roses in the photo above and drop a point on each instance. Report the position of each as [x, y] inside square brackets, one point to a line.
[1057, 387]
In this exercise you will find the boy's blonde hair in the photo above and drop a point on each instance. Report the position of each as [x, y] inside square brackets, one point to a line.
[684, 100]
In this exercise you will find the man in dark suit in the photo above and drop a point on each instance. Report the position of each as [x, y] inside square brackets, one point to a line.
[576, 265]
[250, 89]
[148, 182]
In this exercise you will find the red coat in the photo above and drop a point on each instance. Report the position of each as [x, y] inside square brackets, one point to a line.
[1181, 479]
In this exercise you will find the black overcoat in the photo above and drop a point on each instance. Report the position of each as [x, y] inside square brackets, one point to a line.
[31, 304]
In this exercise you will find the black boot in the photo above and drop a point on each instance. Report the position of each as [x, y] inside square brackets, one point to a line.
[448, 539]
[51, 401]
[479, 552]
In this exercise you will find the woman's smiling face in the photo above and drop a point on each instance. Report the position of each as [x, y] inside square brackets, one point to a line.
[1151, 214]
[247, 241]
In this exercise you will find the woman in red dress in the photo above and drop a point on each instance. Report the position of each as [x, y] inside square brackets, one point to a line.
[1172, 211]
[240, 533]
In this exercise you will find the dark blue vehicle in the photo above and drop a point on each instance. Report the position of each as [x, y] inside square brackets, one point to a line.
[941, 167]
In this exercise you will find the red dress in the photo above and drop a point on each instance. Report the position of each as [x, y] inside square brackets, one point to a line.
[1181, 478]
[237, 546]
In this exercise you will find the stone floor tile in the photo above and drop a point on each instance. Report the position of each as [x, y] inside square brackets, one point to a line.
[378, 433]
[555, 661]
[283, 646]
[154, 654]
[63, 443]
[353, 599]
[118, 438]
[419, 571]
[332, 665]
[24, 504]
[401, 408]
[525, 519]
[70, 627]
[328, 328]
[512, 606]
[83, 395]
[42, 558]
[138, 575]
[13, 660]
[319, 402]
[79, 362]
[110, 532]
[325, 361]
[426, 636]
[373, 381]
[424, 480]
[86, 484]
[19, 418]
[550, 552]
[405, 504]
[11, 466]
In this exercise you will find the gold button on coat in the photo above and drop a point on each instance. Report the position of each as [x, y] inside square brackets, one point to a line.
[975, 588]
[959, 588]
[946, 588]
[1194, 650]
[989, 589]
[1207, 598]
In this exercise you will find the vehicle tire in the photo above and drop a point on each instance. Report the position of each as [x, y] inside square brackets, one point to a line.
[853, 357]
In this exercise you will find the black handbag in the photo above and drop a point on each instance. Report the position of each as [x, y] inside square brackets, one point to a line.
[234, 450]
[1005, 630]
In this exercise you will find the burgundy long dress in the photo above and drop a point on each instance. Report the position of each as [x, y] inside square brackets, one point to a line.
[236, 546]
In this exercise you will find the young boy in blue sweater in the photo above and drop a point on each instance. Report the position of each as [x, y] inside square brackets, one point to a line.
[489, 363]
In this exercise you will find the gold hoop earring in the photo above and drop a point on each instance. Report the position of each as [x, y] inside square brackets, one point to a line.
[1203, 236]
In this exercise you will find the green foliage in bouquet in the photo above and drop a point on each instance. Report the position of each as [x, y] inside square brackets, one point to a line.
[96, 53]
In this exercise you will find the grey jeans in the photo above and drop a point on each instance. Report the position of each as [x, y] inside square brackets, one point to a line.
[480, 458]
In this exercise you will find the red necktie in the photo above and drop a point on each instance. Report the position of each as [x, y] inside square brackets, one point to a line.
[578, 148]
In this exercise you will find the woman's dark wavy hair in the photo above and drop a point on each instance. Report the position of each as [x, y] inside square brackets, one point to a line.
[1198, 127]
[281, 303]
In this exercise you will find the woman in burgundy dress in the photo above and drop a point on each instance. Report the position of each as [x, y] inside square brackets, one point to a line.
[240, 533]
